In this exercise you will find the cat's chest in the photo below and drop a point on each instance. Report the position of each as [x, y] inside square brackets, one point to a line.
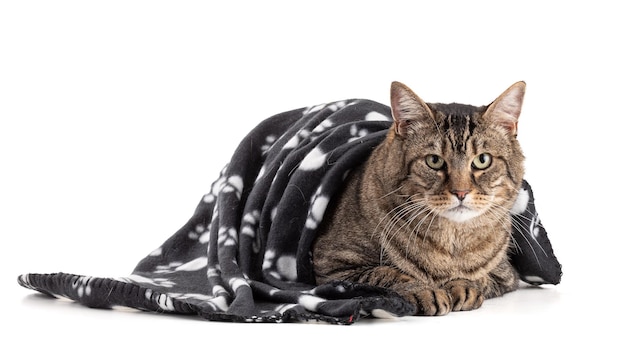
[458, 254]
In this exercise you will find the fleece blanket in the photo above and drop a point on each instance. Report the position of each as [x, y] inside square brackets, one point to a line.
[245, 254]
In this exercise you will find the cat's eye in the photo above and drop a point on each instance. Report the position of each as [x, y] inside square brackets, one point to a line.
[482, 161]
[435, 161]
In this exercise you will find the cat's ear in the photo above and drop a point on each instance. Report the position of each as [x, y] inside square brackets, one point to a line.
[407, 109]
[505, 110]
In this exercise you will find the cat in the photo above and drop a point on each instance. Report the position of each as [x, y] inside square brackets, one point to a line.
[427, 214]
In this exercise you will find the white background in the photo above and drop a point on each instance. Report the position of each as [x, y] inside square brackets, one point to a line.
[115, 117]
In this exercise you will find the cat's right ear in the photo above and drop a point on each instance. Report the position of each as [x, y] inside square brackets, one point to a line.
[407, 109]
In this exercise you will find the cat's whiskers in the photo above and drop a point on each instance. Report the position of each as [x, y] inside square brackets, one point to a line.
[391, 192]
[410, 208]
[409, 211]
[415, 230]
[395, 214]
[499, 214]
[393, 223]
[515, 225]
[429, 225]
[414, 233]
[390, 212]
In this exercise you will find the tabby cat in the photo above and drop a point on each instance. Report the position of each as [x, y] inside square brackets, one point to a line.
[427, 215]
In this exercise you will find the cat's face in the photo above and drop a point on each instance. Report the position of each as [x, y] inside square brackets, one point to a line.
[463, 162]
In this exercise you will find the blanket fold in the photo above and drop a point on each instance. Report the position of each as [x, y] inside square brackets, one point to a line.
[245, 254]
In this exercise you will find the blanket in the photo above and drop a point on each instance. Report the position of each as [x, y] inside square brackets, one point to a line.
[245, 254]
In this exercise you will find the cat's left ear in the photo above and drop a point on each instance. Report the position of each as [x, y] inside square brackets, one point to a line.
[505, 110]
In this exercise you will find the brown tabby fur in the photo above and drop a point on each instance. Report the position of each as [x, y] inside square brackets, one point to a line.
[399, 223]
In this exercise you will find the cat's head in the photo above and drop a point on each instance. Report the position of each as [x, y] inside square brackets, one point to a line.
[462, 161]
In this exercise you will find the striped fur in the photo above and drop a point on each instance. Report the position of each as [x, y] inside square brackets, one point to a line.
[436, 235]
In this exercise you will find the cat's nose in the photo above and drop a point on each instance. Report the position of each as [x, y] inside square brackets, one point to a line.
[460, 194]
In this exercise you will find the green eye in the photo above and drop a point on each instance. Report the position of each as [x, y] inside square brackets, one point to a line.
[482, 161]
[435, 161]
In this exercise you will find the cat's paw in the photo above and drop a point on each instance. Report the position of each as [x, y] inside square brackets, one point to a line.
[428, 301]
[464, 295]
[433, 302]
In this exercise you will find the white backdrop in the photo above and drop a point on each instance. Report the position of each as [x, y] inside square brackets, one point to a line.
[116, 116]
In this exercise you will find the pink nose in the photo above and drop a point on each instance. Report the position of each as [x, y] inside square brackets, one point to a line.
[460, 194]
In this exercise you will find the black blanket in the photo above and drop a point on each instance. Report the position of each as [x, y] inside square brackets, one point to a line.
[245, 254]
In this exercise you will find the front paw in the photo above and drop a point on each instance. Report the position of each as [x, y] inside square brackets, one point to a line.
[433, 302]
[428, 301]
[464, 295]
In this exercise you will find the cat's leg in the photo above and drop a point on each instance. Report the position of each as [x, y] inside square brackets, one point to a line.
[428, 299]
[502, 279]
[466, 295]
